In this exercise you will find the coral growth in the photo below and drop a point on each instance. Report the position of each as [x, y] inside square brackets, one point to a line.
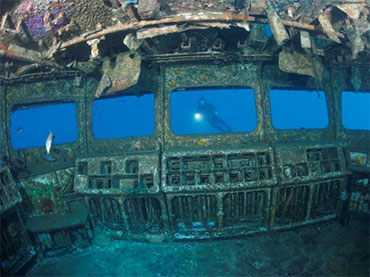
[37, 26]
[47, 206]
[26, 9]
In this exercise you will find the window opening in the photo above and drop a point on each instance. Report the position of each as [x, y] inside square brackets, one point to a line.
[356, 110]
[125, 116]
[298, 109]
[213, 111]
[30, 127]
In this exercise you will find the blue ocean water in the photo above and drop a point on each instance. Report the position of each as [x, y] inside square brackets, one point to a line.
[30, 127]
[236, 107]
[292, 109]
[125, 116]
[128, 116]
[356, 110]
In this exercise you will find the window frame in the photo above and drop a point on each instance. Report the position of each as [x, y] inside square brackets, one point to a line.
[114, 146]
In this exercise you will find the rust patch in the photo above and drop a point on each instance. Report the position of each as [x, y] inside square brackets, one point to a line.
[202, 142]
[11, 52]
[70, 154]
[47, 206]
[257, 130]
[172, 84]
[4, 45]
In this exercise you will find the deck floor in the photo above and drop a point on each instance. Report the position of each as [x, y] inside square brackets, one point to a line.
[325, 249]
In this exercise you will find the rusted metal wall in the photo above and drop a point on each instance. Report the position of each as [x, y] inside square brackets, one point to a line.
[9, 193]
[3, 123]
[281, 80]
[30, 161]
[134, 174]
[204, 185]
[149, 82]
[340, 80]
[46, 193]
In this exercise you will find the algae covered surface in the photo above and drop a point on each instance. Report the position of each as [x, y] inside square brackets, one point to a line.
[325, 249]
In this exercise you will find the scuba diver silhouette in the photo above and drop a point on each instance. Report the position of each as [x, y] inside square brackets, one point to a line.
[210, 114]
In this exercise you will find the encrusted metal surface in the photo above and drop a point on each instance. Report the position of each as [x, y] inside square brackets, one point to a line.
[149, 82]
[304, 203]
[221, 214]
[47, 191]
[77, 215]
[47, 28]
[164, 185]
[216, 170]
[16, 247]
[37, 94]
[300, 163]
[135, 174]
[9, 193]
[133, 216]
[194, 186]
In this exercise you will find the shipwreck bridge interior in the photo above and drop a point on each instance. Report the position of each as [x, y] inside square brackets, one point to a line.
[168, 184]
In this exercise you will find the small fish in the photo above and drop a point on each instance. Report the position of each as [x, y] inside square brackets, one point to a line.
[49, 142]
[19, 129]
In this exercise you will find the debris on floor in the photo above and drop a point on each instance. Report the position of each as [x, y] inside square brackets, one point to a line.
[325, 249]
